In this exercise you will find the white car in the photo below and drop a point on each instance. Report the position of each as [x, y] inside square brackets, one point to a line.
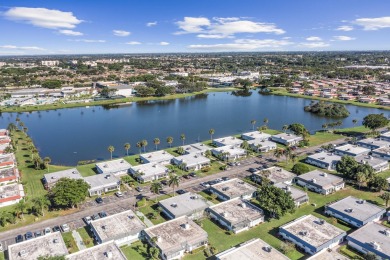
[47, 230]
[1, 247]
[119, 194]
[88, 220]
[65, 228]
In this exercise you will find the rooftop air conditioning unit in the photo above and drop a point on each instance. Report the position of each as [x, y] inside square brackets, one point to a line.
[174, 205]
[108, 254]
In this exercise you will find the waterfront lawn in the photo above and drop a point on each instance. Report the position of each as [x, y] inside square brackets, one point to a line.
[70, 242]
[151, 207]
[271, 131]
[135, 251]
[86, 236]
[353, 131]
[323, 137]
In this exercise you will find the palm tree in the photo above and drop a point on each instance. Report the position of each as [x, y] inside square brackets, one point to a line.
[40, 204]
[279, 152]
[155, 188]
[285, 127]
[183, 138]
[11, 127]
[173, 182]
[20, 208]
[180, 150]
[170, 140]
[111, 149]
[4, 218]
[293, 157]
[25, 129]
[156, 142]
[127, 148]
[324, 126]
[266, 121]
[287, 153]
[354, 121]
[47, 161]
[144, 144]
[139, 146]
[386, 197]
[253, 122]
[211, 132]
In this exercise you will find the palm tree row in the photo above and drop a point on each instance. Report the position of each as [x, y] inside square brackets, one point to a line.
[287, 153]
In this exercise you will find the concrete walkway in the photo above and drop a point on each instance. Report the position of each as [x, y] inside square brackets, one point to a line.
[146, 220]
[78, 239]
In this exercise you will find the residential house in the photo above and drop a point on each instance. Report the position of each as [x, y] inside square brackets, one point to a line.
[286, 139]
[117, 167]
[320, 182]
[233, 188]
[50, 179]
[161, 157]
[350, 150]
[299, 196]
[149, 172]
[274, 175]
[325, 160]
[191, 162]
[102, 183]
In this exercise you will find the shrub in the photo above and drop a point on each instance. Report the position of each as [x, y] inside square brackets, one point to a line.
[300, 168]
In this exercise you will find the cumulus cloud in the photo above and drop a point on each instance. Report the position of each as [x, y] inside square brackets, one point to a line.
[313, 38]
[42, 17]
[88, 41]
[345, 28]
[150, 24]
[70, 33]
[121, 33]
[373, 24]
[133, 43]
[164, 43]
[13, 47]
[219, 28]
[314, 45]
[242, 45]
[343, 38]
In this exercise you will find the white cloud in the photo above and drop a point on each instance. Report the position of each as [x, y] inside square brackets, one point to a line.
[343, 38]
[88, 41]
[42, 17]
[373, 24]
[192, 25]
[13, 47]
[164, 43]
[213, 36]
[70, 33]
[133, 43]
[345, 28]
[150, 24]
[313, 38]
[242, 45]
[314, 45]
[121, 33]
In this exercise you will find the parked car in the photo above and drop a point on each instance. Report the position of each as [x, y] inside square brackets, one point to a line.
[230, 163]
[38, 233]
[47, 230]
[29, 235]
[181, 192]
[87, 220]
[139, 189]
[102, 214]
[19, 238]
[119, 194]
[95, 217]
[225, 178]
[205, 184]
[186, 176]
[65, 228]
[56, 229]
[237, 163]
[164, 182]
[253, 170]
[192, 174]
[99, 200]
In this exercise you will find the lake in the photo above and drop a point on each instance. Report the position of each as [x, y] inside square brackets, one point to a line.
[70, 135]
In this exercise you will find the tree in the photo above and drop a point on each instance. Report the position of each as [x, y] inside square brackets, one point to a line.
[173, 182]
[127, 147]
[279, 152]
[378, 183]
[354, 121]
[46, 162]
[361, 178]
[253, 122]
[386, 197]
[287, 153]
[37, 162]
[285, 128]
[156, 142]
[11, 127]
[170, 140]
[375, 121]
[370, 256]
[347, 166]
[5, 217]
[180, 150]
[20, 207]
[300, 168]
[183, 138]
[69, 192]
[276, 201]
[298, 129]
[155, 188]
[40, 204]
[245, 145]
[208, 153]
[111, 149]
[211, 132]
[139, 146]
[324, 126]
[154, 252]
[265, 121]
[25, 129]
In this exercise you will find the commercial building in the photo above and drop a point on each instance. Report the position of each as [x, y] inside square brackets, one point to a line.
[192, 162]
[117, 167]
[299, 196]
[229, 140]
[312, 234]
[373, 143]
[11, 194]
[9, 175]
[383, 153]
[50, 179]
[274, 174]
[119, 88]
[148, 172]
[176, 237]
[286, 139]
[254, 249]
[102, 183]
[233, 188]
[236, 215]
[354, 211]
[123, 228]
[378, 164]
[188, 204]
[259, 145]
[161, 157]
[108, 250]
[373, 238]
[350, 150]
[255, 135]
[229, 152]
[320, 182]
[325, 160]
[49, 245]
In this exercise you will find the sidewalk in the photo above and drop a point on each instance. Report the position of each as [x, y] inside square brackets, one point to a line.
[145, 219]
[78, 240]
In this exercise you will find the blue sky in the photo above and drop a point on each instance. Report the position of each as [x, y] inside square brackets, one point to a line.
[148, 26]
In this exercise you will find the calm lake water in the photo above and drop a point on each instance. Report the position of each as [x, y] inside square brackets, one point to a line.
[70, 135]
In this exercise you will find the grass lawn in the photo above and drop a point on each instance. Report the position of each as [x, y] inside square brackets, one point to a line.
[87, 169]
[385, 174]
[2, 256]
[85, 235]
[271, 131]
[208, 197]
[135, 251]
[323, 137]
[152, 207]
[132, 159]
[69, 242]
[348, 252]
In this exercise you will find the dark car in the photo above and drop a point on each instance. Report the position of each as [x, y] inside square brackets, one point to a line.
[139, 189]
[230, 164]
[164, 182]
[38, 233]
[225, 178]
[29, 235]
[192, 174]
[186, 176]
[99, 200]
[181, 192]
[56, 228]
[19, 238]
[95, 217]
[252, 170]
[102, 214]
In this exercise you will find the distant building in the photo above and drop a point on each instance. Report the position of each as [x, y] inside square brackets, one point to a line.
[350, 150]
[50, 179]
[325, 160]
[254, 249]
[274, 174]
[385, 136]
[320, 182]
[234, 188]
[149, 172]
[102, 183]
[50, 63]
[119, 88]
[198, 148]
[373, 238]
[161, 157]
[176, 237]
[372, 143]
[11, 194]
[108, 250]
[188, 204]
[123, 228]
[193, 162]
[299, 196]
[312, 234]
[7, 161]
[236, 215]
[286, 139]
[117, 167]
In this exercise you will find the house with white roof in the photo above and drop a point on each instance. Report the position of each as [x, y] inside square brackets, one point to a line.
[149, 172]
[255, 135]
[229, 140]
[192, 162]
[161, 157]
[117, 167]
[286, 139]
[102, 183]
[259, 145]
[325, 160]
[350, 150]
[320, 182]
[229, 152]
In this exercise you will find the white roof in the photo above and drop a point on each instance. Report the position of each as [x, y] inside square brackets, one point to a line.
[149, 169]
[157, 156]
[192, 159]
[229, 140]
[55, 176]
[184, 204]
[113, 166]
[354, 149]
[325, 157]
[256, 135]
[101, 180]
[232, 150]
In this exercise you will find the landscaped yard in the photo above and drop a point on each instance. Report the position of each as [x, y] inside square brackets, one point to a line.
[87, 239]
[70, 242]
[151, 207]
[135, 251]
